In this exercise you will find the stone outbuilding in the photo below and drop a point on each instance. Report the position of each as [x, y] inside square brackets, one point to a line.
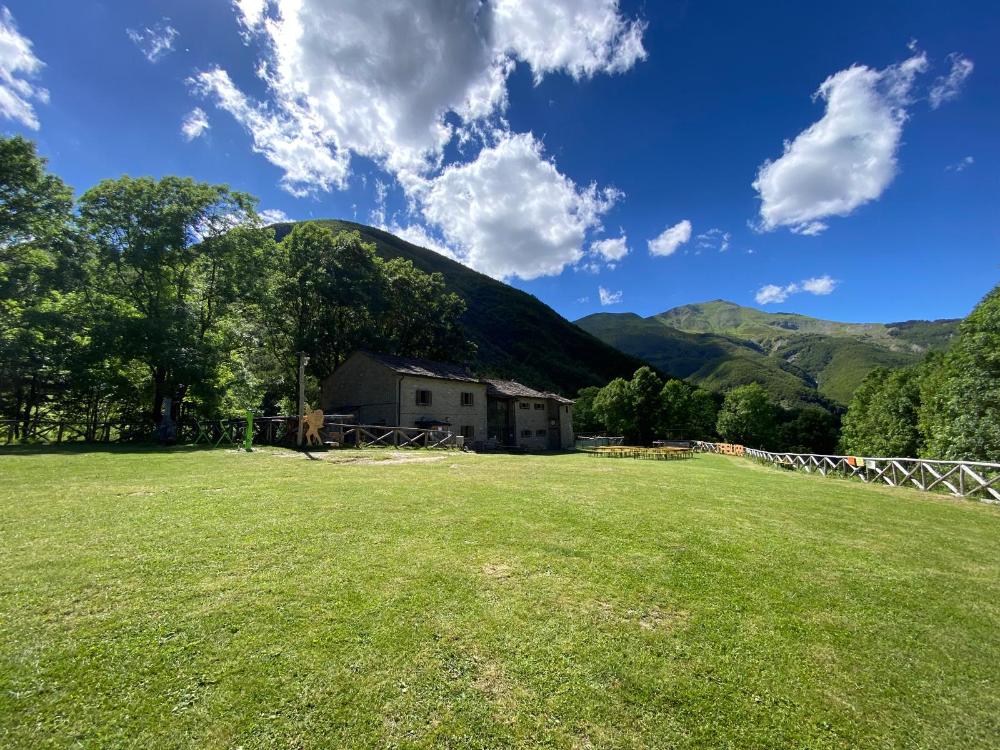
[517, 415]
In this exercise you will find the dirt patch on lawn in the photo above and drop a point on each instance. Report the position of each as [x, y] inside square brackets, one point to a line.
[380, 457]
[498, 570]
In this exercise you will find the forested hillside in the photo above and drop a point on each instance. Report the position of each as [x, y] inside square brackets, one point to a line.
[798, 359]
[516, 335]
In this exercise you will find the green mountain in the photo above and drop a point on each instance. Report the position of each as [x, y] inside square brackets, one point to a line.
[801, 360]
[517, 335]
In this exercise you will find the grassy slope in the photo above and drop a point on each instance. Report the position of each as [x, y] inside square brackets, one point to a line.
[720, 316]
[517, 335]
[715, 361]
[720, 345]
[220, 599]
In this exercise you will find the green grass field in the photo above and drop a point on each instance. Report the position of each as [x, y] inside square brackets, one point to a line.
[217, 599]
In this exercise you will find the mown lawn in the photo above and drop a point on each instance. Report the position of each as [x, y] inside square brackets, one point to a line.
[217, 599]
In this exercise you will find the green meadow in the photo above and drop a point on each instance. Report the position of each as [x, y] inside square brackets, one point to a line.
[217, 599]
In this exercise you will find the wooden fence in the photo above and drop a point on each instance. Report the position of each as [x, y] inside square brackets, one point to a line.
[972, 479]
[281, 430]
[49, 431]
[378, 436]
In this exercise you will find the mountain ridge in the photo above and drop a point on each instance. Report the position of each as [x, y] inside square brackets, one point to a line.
[802, 360]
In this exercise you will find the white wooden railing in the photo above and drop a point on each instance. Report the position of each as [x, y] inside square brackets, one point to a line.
[973, 479]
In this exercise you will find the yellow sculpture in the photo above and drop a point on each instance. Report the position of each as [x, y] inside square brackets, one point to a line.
[313, 422]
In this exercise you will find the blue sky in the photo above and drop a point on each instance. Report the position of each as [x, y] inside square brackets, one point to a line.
[527, 139]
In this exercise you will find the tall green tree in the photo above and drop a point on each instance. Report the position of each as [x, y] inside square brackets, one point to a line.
[419, 317]
[960, 418]
[37, 266]
[747, 417]
[883, 416]
[675, 409]
[809, 430]
[703, 412]
[687, 412]
[585, 420]
[178, 259]
[329, 296]
[614, 406]
[646, 387]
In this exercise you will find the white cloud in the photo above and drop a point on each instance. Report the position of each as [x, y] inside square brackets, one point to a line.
[848, 157]
[399, 81]
[293, 144]
[273, 216]
[251, 12]
[154, 42]
[960, 165]
[582, 37]
[947, 87]
[821, 285]
[612, 249]
[714, 239]
[195, 124]
[511, 213]
[380, 82]
[18, 63]
[670, 239]
[773, 293]
[609, 298]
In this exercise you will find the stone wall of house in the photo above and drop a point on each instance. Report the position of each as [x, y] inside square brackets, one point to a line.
[446, 404]
[363, 387]
[567, 436]
[531, 423]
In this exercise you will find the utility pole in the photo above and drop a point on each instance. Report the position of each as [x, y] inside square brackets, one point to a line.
[303, 361]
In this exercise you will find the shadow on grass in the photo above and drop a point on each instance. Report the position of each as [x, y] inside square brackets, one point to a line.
[79, 448]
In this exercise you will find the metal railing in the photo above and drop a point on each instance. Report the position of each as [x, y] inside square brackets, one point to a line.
[978, 480]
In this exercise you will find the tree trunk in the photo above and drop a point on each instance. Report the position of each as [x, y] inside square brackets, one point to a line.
[32, 401]
[159, 393]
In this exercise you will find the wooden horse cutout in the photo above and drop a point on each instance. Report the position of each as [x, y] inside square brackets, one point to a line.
[313, 422]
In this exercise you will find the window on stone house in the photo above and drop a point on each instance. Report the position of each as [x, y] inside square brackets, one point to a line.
[467, 398]
[423, 398]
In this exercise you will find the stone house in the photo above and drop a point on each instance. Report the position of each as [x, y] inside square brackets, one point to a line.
[381, 389]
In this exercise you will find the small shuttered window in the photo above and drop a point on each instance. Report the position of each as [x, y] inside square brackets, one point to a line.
[423, 398]
[467, 398]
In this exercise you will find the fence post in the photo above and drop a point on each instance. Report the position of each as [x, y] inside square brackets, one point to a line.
[248, 434]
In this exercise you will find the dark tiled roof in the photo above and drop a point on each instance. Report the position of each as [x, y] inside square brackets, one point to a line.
[424, 368]
[511, 388]
[560, 399]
